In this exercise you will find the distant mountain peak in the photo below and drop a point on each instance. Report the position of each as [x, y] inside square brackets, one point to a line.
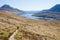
[55, 8]
[57, 5]
[11, 9]
[6, 6]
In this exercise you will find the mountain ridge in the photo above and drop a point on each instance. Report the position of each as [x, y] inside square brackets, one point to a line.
[11, 9]
[55, 8]
[53, 13]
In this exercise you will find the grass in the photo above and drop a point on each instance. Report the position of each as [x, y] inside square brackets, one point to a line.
[4, 33]
[35, 29]
[20, 35]
[47, 30]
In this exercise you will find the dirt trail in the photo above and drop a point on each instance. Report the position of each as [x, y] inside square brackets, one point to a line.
[12, 36]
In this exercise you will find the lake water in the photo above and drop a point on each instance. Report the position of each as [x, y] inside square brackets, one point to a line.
[29, 15]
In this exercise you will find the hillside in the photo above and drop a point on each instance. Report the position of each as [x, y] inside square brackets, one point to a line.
[55, 8]
[28, 29]
[11, 9]
[8, 23]
[53, 12]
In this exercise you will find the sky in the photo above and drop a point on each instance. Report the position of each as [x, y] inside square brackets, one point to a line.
[30, 5]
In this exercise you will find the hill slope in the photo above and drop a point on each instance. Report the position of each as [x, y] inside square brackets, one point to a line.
[11, 9]
[28, 29]
[52, 13]
[55, 8]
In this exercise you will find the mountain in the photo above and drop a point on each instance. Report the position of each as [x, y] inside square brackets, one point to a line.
[52, 13]
[11, 9]
[55, 8]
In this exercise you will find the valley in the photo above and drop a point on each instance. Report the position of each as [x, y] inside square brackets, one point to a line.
[16, 24]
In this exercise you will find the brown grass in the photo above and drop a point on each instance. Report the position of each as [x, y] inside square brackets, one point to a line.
[31, 29]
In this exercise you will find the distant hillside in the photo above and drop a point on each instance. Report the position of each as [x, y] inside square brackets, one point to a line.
[55, 8]
[53, 13]
[11, 9]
